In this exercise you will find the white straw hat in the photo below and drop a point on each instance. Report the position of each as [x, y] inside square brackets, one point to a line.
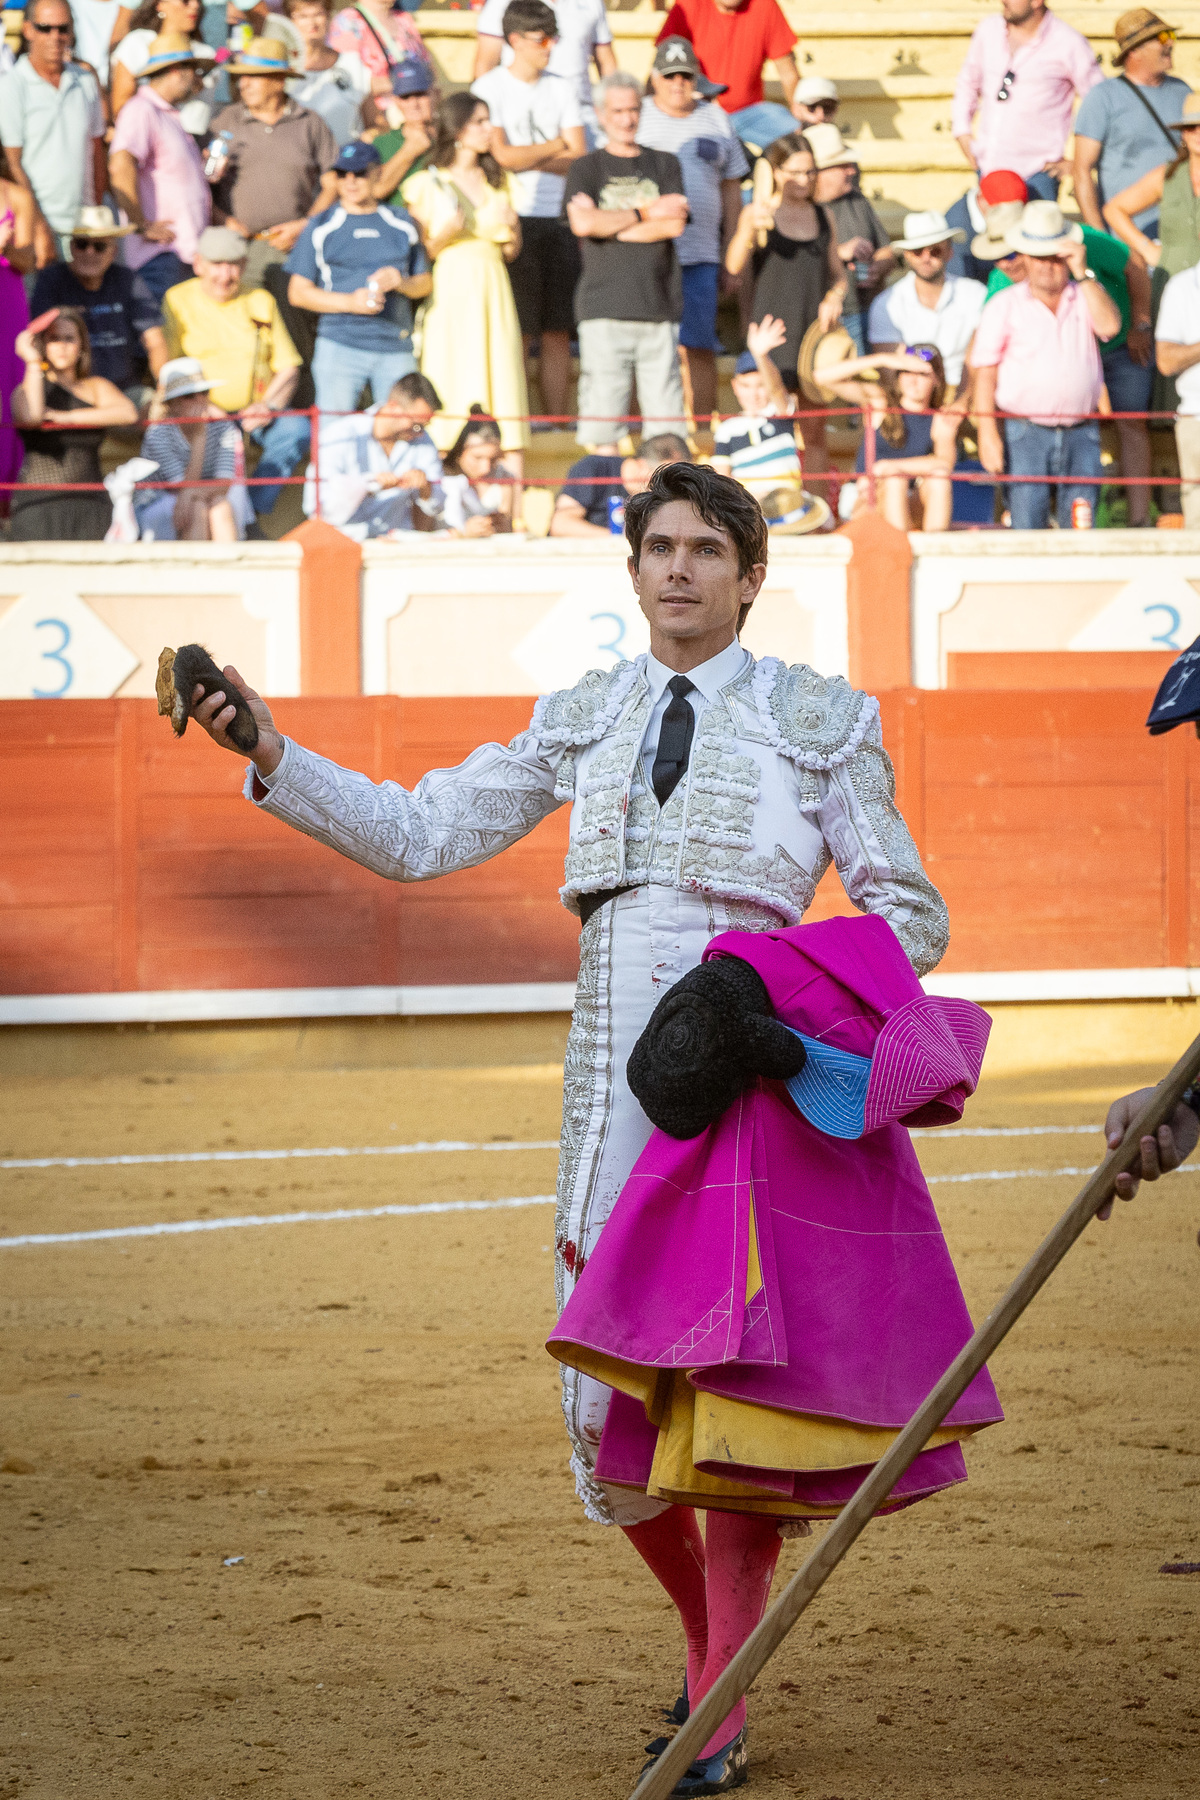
[925, 228]
[182, 376]
[1043, 231]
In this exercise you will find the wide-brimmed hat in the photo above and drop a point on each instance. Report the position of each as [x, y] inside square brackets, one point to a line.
[262, 56]
[1134, 28]
[830, 149]
[992, 242]
[925, 228]
[677, 56]
[182, 376]
[98, 222]
[820, 349]
[170, 50]
[790, 511]
[1189, 114]
[1043, 230]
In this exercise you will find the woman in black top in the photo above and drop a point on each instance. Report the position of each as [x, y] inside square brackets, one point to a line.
[59, 388]
[798, 276]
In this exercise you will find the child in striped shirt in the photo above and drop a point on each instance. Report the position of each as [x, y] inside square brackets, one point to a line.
[762, 446]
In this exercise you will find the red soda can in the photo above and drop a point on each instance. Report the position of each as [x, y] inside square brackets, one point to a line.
[1081, 515]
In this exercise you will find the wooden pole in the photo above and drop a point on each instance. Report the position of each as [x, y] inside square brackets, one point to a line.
[766, 1638]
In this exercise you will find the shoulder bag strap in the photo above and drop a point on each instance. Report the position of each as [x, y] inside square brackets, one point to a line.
[1135, 89]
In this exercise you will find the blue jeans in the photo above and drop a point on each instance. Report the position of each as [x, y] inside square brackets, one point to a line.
[166, 270]
[1063, 451]
[339, 374]
[856, 325]
[1042, 186]
[284, 442]
[761, 124]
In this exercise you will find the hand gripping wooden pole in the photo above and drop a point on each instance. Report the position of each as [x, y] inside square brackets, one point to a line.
[808, 1580]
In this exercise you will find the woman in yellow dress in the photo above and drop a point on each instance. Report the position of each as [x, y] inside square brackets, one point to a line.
[471, 343]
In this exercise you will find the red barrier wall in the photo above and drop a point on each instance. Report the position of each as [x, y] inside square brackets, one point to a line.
[1059, 832]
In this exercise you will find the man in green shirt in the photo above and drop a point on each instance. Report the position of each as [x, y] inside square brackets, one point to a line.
[405, 150]
[1128, 372]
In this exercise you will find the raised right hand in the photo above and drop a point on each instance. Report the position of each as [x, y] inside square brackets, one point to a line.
[213, 715]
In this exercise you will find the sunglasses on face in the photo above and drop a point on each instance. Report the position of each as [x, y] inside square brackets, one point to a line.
[679, 75]
[1004, 91]
[537, 39]
[921, 351]
[80, 245]
[1165, 37]
[56, 30]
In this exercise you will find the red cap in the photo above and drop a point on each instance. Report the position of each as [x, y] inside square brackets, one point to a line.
[1000, 185]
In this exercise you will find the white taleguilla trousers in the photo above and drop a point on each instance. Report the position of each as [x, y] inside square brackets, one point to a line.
[630, 952]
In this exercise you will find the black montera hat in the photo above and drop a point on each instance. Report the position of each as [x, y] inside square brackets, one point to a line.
[1178, 698]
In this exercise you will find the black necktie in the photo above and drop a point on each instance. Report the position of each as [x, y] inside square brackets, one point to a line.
[674, 739]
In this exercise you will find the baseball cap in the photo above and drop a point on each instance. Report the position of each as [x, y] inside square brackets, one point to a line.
[356, 159]
[411, 78]
[814, 88]
[676, 56]
[219, 244]
[745, 364]
[1000, 185]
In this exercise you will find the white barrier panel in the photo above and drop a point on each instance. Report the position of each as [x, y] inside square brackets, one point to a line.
[521, 616]
[1050, 590]
[87, 621]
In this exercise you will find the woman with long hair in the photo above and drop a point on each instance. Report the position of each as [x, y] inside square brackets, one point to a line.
[59, 389]
[16, 260]
[798, 275]
[914, 432]
[478, 502]
[471, 340]
[152, 19]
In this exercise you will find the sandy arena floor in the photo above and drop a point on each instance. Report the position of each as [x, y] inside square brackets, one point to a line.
[218, 1451]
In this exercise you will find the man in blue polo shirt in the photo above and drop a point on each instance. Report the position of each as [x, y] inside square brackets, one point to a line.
[360, 264]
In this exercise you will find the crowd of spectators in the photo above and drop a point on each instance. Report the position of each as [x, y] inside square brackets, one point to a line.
[215, 220]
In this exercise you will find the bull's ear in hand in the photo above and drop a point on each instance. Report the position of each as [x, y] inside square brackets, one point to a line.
[180, 672]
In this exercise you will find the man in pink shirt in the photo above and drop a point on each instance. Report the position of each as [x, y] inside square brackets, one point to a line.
[155, 171]
[1022, 72]
[1036, 358]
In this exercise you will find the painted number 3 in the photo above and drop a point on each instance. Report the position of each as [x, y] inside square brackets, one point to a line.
[56, 656]
[618, 637]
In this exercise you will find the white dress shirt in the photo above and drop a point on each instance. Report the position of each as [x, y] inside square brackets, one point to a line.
[707, 681]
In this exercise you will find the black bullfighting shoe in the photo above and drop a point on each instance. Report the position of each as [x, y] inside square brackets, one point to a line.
[720, 1773]
[681, 1711]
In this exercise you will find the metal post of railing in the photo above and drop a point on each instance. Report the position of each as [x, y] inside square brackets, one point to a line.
[869, 456]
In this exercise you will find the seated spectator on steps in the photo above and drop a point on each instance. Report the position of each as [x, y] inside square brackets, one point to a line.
[155, 169]
[592, 501]
[192, 440]
[761, 446]
[864, 244]
[915, 434]
[59, 389]
[243, 346]
[479, 502]
[404, 147]
[380, 471]
[1036, 358]
[359, 266]
[123, 317]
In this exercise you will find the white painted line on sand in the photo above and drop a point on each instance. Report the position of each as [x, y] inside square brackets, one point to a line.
[442, 1146]
[182, 1226]
[223, 1156]
[179, 1227]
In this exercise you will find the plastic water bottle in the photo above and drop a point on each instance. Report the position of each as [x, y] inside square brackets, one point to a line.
[216, 157]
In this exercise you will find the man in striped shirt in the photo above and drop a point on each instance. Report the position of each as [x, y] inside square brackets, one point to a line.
[360, 265]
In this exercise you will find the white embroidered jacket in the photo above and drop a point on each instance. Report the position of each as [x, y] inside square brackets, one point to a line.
[787, 773]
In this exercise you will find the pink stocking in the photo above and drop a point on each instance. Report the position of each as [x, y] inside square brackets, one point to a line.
[672, 1546]
[741, 1551]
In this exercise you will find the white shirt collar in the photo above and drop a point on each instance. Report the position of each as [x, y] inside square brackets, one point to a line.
[709, 677]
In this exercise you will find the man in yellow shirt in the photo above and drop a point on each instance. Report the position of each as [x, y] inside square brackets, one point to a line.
[244, 347]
